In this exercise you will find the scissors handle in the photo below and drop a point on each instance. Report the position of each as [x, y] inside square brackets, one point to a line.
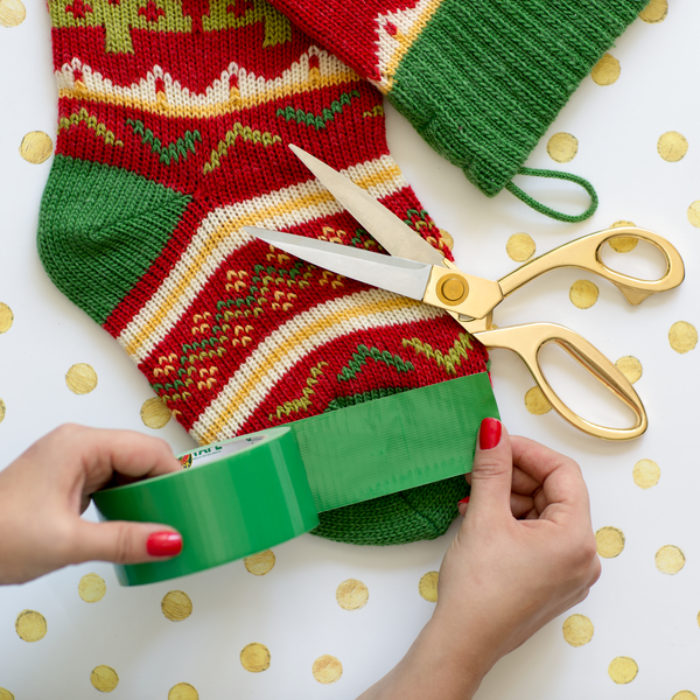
[585, 253]
[528, 339]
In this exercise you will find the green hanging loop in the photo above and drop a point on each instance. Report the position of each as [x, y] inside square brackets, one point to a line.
[548, 211]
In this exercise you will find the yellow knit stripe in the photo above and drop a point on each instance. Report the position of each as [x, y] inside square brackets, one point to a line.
[251, 383]
[219, 235]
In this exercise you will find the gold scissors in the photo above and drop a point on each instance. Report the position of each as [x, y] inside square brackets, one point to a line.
[419, 271]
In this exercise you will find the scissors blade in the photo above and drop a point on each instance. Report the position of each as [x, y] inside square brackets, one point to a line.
[406, 277]
[396, 237]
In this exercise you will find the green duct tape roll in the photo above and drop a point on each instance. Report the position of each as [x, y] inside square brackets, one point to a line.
[245, 495]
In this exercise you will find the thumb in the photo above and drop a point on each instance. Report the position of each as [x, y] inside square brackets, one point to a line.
[123, 542]
[492, 471]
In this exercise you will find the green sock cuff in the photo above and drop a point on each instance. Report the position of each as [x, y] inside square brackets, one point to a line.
[483, 80]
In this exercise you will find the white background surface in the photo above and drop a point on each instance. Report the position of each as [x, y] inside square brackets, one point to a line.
[636, 610]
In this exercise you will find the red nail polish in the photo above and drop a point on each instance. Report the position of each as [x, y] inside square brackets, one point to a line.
[465, 500]
[489, 433]
[164, 544]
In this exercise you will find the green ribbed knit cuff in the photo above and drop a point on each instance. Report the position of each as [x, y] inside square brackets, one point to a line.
[485, 78]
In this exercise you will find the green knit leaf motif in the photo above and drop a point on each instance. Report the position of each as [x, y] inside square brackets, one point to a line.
[239, 131]
[359, 360]
[169, 152]
[303, 402]
[91, 121]
[449, 360]
[318, 121]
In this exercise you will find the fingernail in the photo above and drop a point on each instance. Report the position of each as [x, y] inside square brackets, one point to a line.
[489, 433]
[465, 500]
[164, 544]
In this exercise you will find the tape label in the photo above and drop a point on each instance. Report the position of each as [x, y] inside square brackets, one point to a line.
[212, 453]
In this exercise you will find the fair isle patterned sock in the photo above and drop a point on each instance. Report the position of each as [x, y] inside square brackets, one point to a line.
[174, 120]
[481, 80]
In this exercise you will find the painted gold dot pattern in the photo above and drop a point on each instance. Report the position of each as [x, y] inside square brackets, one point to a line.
[520, 247]
[655, 11]
[562, 147]
[6, 694]
[81, 378]
[694, 213]
[606, 71]
[577, 630]
[610, 541]
[12, 14]
[176, 605]
[682, 336]
[684, 695]
[183, 691]
[92, 588]
[154, 413]
[631, 367]
[428, 586]
[583, 294]
[2, 410]
[352, 594]
[669, 559]
[6, 317]
[646, 473]
[672, 146]
[623, 669]
[447, 238]
[261, 563]
[104, 678]
[622, 244]
[31, 626]
[255, 657]
[536, 402]
[36, 147]
[327, 669]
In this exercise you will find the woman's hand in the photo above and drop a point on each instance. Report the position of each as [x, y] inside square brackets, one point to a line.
[44, 491]
[525, 552]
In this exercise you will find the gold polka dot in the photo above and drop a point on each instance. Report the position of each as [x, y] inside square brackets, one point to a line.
[30, 625]
[176, 605]
[694, 213]
[669, 559]
[562, 147]
[606, 71]
[255, 657]
[6, 694]
[2, 410]
[583, 294]
[536, 402]
[92, 588]
[646, 473]
[261, 563]
[631, 367]
[352, 594]
[36, 147]
[622, 669]
[672, 146]
[81, 378]
[609, 542]
[154, 413]
[104, 678]
[685, 695]
[682, 336]
[447, 238]
[578, 630]
[6, 317]
[655, 11]
[12, 13]
[520, 247]
[622, 244]
[183, 691]
[428, 586]
[327, 669]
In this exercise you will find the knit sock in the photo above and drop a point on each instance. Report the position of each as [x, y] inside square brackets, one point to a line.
[480, 80]
[174, 121]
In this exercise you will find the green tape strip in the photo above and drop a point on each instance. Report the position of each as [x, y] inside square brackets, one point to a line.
[245, 495]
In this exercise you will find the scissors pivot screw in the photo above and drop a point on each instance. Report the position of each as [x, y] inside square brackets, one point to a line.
[453, 289]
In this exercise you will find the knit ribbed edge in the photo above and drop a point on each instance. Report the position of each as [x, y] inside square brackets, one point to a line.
[483, 81]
